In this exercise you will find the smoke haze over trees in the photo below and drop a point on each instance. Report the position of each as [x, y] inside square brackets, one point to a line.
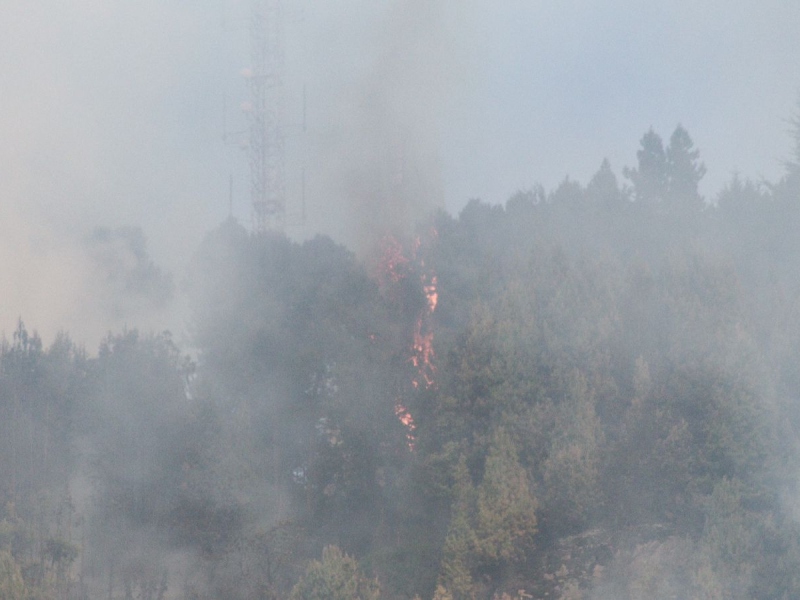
[587, 389]
[583, 393]
[114, 115]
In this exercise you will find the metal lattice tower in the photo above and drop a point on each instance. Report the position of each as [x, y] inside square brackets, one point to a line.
[266, 143]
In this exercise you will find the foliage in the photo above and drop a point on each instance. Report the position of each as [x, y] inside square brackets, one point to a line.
[12, 586]
[609, 360]
[650, 179]
[571, 470]
[505, 523]
[336, 577]
[670, 174]
[455, 576]
[492, 526]
[683, 167]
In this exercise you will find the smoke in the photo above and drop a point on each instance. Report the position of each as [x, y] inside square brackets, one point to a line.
[37, 277]
[113, 113]
[91, 125]
[375, 119]
[116, 116]
[87, 287]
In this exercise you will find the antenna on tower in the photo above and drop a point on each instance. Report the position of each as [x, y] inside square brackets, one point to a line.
[266, 141]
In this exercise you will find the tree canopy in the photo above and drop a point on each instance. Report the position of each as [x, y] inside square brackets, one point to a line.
[591, 390]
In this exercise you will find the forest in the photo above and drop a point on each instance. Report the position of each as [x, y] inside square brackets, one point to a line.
[586, 393]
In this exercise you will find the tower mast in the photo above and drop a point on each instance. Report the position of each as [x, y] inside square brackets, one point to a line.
[265, 112]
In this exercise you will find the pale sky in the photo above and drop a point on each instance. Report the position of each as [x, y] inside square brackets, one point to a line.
[112, 113]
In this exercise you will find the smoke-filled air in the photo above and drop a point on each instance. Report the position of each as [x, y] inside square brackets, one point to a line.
[399, 300]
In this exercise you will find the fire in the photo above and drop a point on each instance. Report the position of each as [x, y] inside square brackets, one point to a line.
[422, 349]
[393, 267]
[431, 294]
[422, 355]
[406, 418]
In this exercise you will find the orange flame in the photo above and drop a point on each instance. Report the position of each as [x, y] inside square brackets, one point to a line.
[422, 357]
[405, 417]
[393, 264]
[431, 294]
[393, 267]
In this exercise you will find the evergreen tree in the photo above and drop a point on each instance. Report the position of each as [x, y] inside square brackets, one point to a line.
[570, 471]
[455, 577]
[650, 179]
[12, 586]
[506, 508]
[684, 170]
[336, 577]
[603, 186]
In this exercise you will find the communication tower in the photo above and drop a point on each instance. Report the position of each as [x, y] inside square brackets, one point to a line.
[266, 151]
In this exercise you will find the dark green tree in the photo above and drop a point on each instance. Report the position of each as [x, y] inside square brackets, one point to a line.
[506, 507]
[571, 470]
[458, 553]
[603, 187]
[12, 586]
[651, 177]
[336, 577]
[684, 169]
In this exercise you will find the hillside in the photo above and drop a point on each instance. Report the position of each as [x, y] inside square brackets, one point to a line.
[586, 393]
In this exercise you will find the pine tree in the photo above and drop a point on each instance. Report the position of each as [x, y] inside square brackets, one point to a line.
[455, 578]
[650, 179]
[506, 518]
[12, 586]
[603, 186]
[336, 577]
[684, 169]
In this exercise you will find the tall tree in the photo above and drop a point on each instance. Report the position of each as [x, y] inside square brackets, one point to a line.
[455, 577]
[650, 179]
[336, 577]
[12, 586]
[603, 186]
[506, 507]
[684, 169]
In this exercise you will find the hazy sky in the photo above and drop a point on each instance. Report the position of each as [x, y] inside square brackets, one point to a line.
[112, 113]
